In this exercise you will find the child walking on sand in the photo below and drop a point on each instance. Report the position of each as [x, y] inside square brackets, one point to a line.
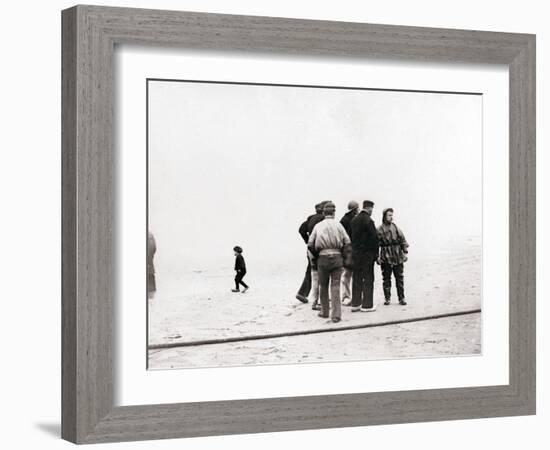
[240, 268]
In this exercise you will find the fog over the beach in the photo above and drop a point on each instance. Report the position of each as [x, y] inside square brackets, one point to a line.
[244, 165]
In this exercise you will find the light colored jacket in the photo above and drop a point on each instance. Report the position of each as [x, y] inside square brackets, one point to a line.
[328, 235]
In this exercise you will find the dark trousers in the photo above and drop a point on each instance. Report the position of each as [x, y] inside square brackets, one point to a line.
[306, 284]
[151, 283]
[363, 278]
[239, 279]
[397, 270]
[330, 271]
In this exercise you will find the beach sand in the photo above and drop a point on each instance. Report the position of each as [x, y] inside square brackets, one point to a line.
[459, 335]
[199, 305]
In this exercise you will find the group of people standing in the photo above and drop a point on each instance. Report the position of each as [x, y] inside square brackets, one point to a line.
[343, 254]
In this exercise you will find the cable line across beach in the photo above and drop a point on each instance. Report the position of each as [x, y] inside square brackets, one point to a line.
[225, 340]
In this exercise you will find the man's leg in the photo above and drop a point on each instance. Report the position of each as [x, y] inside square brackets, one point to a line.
[357, 281]
[364, 279]
[151, 285]
[399, 281]
[303, 292]
[346, 284]
[335, 279]
[324, 276]
[314, 291]
[386, 283]
[369, 283]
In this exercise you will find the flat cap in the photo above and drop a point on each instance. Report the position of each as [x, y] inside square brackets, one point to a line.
[352, 205]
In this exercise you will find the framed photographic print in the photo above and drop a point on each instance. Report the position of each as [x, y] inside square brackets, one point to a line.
[346, 210]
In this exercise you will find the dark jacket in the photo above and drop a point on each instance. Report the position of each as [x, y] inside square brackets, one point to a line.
[240, 266]
[364, 236]
[307, 226]
[393, 245]
[346, 221]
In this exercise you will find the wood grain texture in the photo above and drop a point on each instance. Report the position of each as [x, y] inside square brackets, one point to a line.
[89, 36]
[68, 226]
[522, 191]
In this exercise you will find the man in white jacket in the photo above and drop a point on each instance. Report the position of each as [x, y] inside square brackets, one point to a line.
[326, 242]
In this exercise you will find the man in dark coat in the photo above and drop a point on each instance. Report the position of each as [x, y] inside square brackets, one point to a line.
[305, 230]
[364, 242]
[353, 209]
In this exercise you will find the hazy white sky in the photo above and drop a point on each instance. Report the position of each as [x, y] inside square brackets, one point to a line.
[244, 165]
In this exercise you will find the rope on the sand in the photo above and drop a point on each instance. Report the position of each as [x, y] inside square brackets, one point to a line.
[305, 332]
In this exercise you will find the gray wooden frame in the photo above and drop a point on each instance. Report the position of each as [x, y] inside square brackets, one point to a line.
[89, 36]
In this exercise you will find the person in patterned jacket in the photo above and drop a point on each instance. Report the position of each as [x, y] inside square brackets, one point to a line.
[393, 255]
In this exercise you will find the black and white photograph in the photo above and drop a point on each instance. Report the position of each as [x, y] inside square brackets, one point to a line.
[276, 225]
[305, 224]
